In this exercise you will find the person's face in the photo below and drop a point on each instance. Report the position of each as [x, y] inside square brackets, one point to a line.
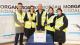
[51, 11]
[20, 7]
[59, 12]
[32, 8]
[40, 6]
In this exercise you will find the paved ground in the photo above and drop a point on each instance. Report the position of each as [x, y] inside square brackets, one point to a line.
[11, 39]
[56, 44]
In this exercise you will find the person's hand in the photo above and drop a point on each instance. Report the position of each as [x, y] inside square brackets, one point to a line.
[57, 30]
[21, 21]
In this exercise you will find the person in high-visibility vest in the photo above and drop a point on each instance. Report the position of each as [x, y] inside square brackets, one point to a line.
[41, 18]
[61, 24]
[50, 17]
[19, 23]
[30, 24]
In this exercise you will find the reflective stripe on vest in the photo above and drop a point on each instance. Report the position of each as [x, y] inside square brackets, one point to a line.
[50, 20]
[29, 23]
[59, 23]
[20, 18]
[43, 18]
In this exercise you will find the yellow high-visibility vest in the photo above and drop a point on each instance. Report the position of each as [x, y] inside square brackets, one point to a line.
[30, 23]
[20, 18]
[48, 27]
[43, 18]
[59, 23]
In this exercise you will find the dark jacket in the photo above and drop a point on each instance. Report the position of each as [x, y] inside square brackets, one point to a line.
[39, 15]
[59, 36]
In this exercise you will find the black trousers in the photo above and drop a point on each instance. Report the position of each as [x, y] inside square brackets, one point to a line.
[17, 37]
[51, 33]
[59, 43]
[59, 36]
[29, 32]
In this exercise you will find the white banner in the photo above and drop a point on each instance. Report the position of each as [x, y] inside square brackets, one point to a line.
[40, 37]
